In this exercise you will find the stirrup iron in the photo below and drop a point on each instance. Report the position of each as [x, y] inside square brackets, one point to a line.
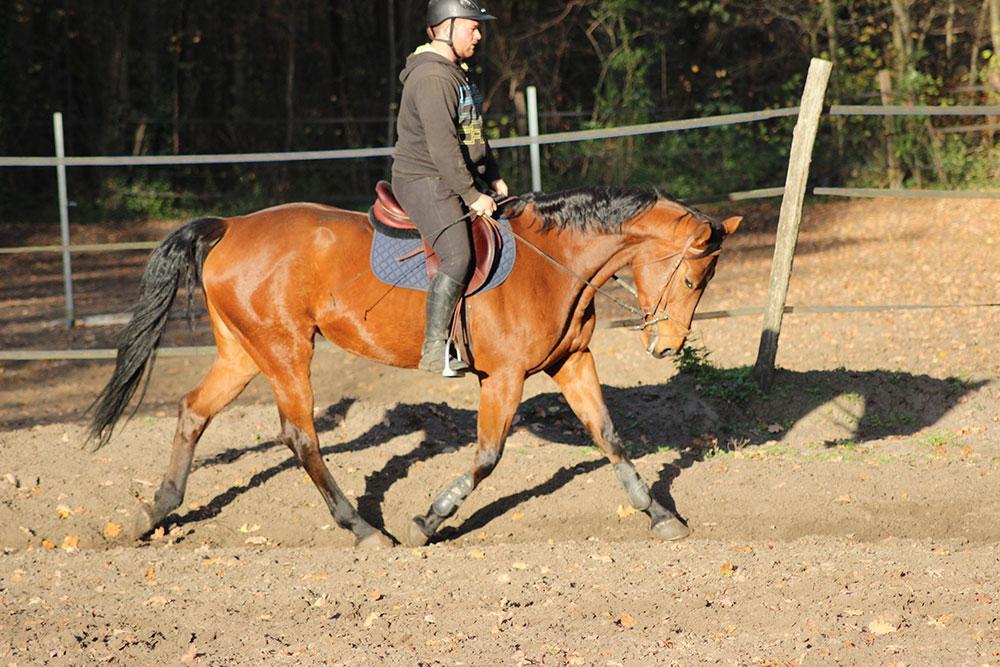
[448, 371]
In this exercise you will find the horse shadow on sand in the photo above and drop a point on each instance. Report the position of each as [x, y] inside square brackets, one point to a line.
[825, 408]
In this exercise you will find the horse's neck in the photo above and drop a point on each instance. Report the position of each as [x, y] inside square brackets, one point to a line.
[594, 257]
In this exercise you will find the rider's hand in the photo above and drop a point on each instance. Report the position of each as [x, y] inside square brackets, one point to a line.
[500, 187]
[483, 206]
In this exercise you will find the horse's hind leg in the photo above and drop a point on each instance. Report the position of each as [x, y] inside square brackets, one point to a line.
[577, 378]
[499, 396]
[231, 371]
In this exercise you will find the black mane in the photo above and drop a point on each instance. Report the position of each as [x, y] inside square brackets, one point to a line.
[600, 209]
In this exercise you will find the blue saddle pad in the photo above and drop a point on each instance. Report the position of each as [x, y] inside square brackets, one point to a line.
[411, 273]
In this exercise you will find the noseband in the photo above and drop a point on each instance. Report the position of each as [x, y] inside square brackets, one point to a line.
[649, 315]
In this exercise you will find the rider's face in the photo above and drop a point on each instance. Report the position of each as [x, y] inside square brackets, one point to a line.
[466, 36]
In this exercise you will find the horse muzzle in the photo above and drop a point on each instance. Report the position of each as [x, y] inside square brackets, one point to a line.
[660, 346]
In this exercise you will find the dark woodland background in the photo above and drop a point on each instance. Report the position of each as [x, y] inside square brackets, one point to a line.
[157, 77]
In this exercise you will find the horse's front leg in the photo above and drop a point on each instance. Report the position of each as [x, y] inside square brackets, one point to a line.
[577, 378]
[499, 396]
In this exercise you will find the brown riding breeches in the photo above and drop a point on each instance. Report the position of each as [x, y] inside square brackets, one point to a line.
[434, 210]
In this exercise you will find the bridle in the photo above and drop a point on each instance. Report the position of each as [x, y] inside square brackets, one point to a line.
[648, 316]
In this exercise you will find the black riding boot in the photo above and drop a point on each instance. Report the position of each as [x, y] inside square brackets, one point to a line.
[442, 295]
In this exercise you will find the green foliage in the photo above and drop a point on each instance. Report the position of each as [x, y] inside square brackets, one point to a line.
[158, 77]
[734, 385]
[150, 198]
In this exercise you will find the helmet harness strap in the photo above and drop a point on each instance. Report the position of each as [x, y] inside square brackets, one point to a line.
[449, 42]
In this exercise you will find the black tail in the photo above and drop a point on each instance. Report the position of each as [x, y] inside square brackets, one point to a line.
[175, 261]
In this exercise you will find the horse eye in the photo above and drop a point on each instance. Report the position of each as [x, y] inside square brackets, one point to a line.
[688, 283]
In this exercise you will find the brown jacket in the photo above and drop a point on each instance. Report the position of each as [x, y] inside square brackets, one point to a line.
[440, 127]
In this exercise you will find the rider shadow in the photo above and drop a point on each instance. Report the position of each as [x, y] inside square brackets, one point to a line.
[443, 427]
[828, 408]
[836, 406]
[819, 411]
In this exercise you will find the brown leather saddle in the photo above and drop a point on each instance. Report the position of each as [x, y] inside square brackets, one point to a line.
[486, 239]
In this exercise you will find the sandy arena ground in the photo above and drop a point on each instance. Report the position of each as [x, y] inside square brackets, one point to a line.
[849, 517]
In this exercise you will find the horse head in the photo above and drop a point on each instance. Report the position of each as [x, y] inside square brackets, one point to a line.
[672, 265]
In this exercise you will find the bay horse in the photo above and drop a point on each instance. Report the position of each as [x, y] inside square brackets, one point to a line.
[274, 278]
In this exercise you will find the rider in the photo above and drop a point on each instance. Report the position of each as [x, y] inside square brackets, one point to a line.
[442, 163]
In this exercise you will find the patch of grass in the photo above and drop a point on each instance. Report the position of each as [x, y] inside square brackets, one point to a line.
[734, 385]
[960, 381]
[887, 422]
[935, 439]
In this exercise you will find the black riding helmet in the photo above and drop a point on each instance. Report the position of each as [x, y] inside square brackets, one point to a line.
[439, 11]
[442, 10]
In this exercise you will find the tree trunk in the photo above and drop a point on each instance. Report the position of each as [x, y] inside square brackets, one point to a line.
[974, 56]
[901, 35]
[393, 70]
[885, 88]
[290, 75]
[949, 31]
[833, 45]
[116, 108]
[995, 25]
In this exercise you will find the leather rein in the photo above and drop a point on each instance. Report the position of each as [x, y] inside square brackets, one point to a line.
[648, 316]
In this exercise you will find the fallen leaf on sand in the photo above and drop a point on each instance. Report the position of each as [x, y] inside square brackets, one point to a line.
[246, 528]
[64, 511]
[881, 626]
[843, 499]
[727, 569]
[48, 545]
[625, 512]
[112, 530]
[477, 554]
[940, 621]
[191, 655]
[71, 543]
[627, 621]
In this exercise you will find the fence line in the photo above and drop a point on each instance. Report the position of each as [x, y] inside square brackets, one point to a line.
[905, 194]
[324, 345]
[61, 162]
[510, 142]
[85, 247]
[294, 156]
[882, 110]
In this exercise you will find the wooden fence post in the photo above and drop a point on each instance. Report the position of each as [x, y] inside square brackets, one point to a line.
[803, 140]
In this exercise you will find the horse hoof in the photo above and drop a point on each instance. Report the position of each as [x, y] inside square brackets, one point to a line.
[670, 529]
[142, 523]
[415, 535]
[374, 540]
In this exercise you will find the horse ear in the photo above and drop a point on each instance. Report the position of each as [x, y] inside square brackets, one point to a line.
[732, 224]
